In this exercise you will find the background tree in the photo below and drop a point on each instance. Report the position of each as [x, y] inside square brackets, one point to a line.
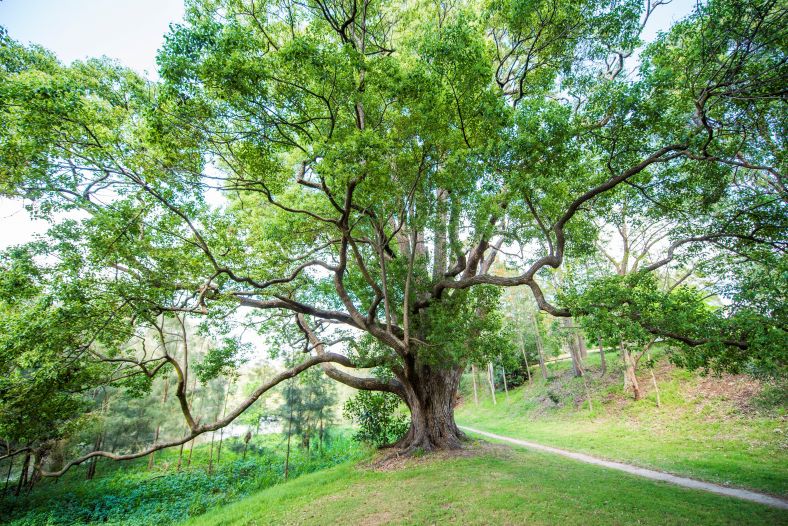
[306, 409]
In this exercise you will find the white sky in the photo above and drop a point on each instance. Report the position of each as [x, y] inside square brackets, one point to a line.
[127, 30]
[130, 31]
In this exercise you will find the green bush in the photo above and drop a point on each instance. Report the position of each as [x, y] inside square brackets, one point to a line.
[379, 417]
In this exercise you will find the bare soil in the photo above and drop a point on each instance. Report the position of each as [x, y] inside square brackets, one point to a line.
[394, 459]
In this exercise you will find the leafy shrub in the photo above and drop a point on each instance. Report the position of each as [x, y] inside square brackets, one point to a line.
[379, 417]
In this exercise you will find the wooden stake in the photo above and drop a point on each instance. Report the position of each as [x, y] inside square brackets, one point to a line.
[505, 386]
[475, 392]
[491, 381]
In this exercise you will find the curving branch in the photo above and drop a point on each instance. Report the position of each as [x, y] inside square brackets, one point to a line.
[555, 257]
[196, 429]
[364, 383]
[671, 252]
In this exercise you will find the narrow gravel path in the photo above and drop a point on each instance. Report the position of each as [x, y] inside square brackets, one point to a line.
[643, 472]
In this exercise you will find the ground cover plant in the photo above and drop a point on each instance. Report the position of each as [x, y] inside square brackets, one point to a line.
[130, 494]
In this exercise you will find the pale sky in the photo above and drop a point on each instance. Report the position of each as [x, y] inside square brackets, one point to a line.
[130, 31]
[127, 30]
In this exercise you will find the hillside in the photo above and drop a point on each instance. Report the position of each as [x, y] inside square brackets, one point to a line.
[726, 430]
[486, 485]
[730, 430]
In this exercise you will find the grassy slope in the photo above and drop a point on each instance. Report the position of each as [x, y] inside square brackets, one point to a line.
[700, 430]
[697, 431]
[493, 487]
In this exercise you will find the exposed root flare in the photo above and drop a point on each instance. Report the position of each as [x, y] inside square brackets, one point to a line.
[392, 459]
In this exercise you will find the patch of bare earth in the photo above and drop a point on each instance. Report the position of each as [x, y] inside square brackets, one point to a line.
[738, 390]
[395, 460]
[376, 519]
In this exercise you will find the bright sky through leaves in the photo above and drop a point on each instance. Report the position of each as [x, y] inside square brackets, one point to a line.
[130, 32]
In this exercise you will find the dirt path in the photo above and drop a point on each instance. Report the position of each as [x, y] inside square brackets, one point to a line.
[643, 472]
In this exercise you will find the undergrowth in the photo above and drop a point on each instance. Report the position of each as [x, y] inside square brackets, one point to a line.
[128, 494]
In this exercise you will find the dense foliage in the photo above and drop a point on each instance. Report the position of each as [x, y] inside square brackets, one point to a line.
[341, 178]
[378, 417]
[130, 495]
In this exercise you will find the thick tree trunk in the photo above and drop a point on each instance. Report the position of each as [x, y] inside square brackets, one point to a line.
[431, 394]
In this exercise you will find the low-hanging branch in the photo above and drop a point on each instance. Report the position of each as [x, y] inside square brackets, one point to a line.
[196, 429]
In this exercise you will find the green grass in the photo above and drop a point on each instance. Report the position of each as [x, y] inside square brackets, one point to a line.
[498, 486]
[696, 434]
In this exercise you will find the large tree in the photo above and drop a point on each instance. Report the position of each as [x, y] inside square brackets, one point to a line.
[349, 170]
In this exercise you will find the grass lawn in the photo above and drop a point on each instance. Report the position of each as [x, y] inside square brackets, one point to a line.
[495, 486]
[697, 432]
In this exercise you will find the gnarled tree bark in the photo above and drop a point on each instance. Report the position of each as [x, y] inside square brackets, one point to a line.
[431, 394]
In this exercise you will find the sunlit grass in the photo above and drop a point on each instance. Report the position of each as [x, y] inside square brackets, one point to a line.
[495, 487]
[706, 438]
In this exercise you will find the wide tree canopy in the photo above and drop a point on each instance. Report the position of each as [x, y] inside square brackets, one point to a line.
[349, 171]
